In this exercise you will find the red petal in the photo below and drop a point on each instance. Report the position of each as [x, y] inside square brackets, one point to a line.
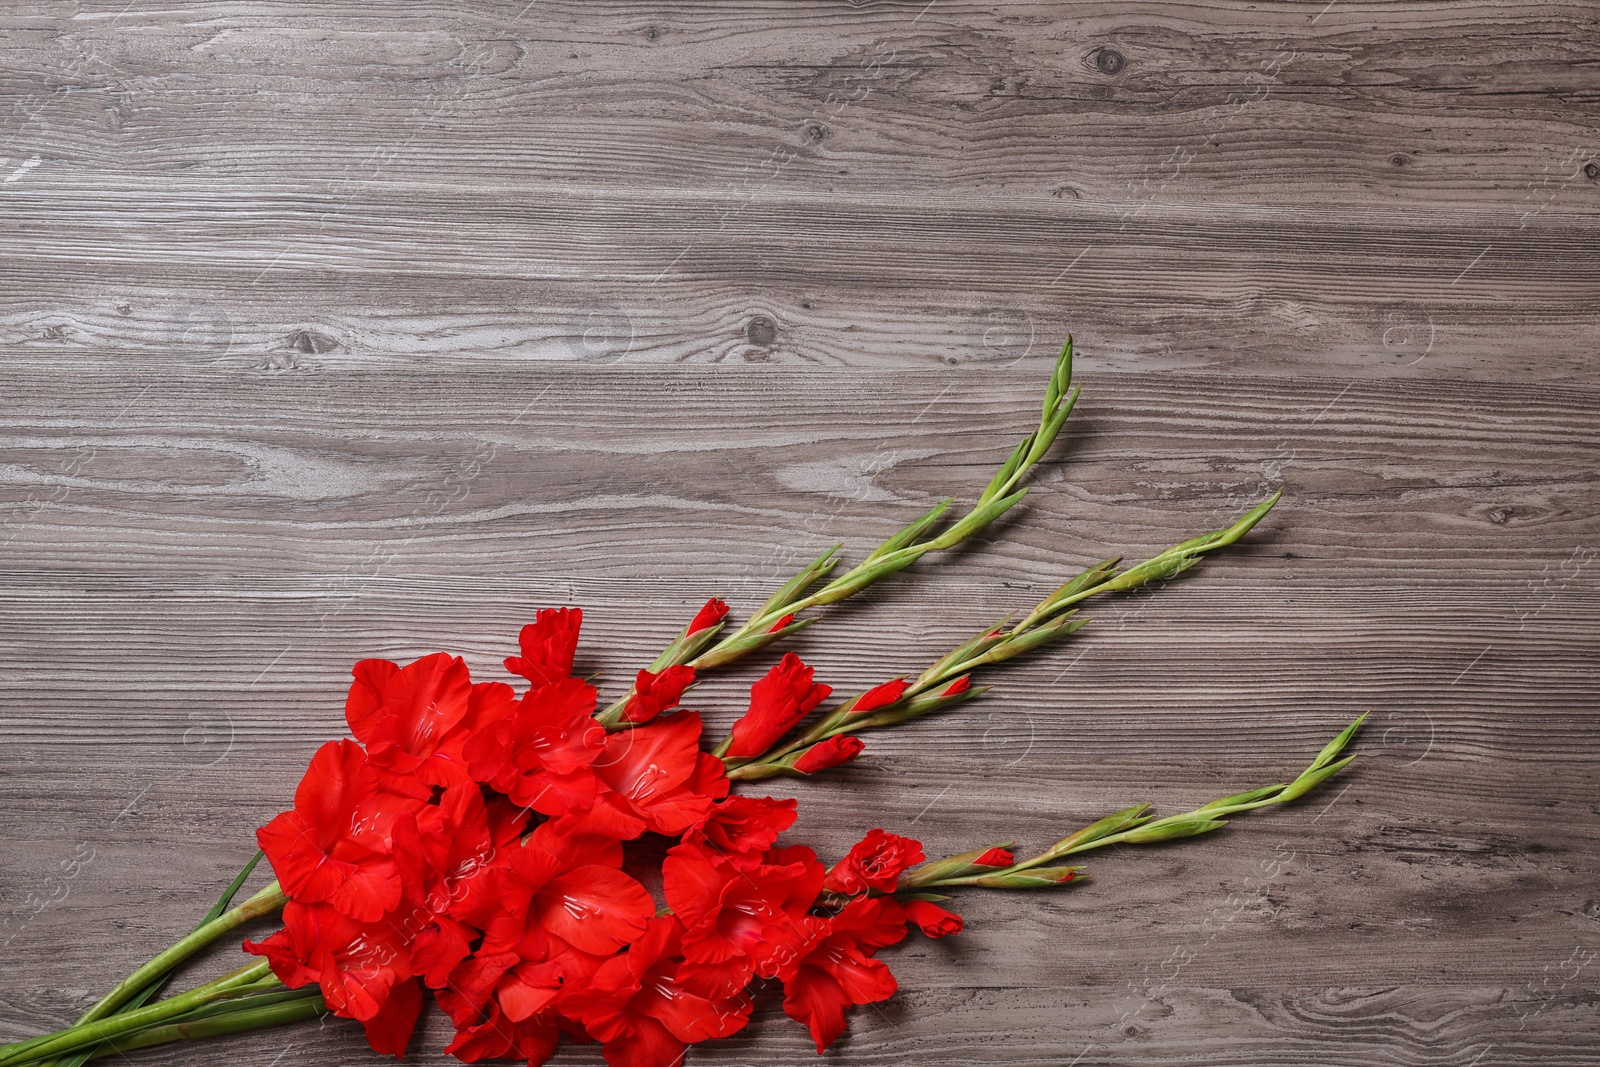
[647, 761]
[874, 922]
[527, 990]
[285, 959]
[366, 893]
[693, 1018]
[864, 980]
[595, 909]
[815, 1000]
[569, 849]
[875, 862]
[497, 1037]
[602, 1003]
[356, 964]
[422, 704]
[645, 1043]
[554, 729]
[372, 676]
[363, 890]
[693, 883]
[880, 696]
[609, 816]
[389, 1031]
[830, 753]
[336, 780]
[710, 778]
[745, 824]
[470, 989]
[439, 948]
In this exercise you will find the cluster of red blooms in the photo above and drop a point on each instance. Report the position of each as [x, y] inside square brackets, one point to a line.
[491, 847]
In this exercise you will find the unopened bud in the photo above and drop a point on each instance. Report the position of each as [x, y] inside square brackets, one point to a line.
[1034, 878]
[830, 753]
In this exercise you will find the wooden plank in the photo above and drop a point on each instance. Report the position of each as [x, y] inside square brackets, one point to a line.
[274, 282]
[369, 330]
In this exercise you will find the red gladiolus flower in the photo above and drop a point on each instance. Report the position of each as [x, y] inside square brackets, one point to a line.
[876, 862]
[740, 920]
[550, 915]
[638, 1007]
[655, 693]
[880, 696]
[829, 753]
[995, 857]
[777, 703]
[931, 919]
[538, 750]
[654, 778]
[404, 715]
[460, 834]
[781, 623]
[740, 827]
[568, 885]
[960, 685]
[363, 969]
[497, 1037]
[713, 612]
[837, 971]
[548, 644]
[337, 843]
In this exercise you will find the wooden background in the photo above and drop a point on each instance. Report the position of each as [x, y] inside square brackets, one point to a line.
[343, 329]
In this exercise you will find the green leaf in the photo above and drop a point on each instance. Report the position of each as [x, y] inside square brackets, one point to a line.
[1050, 430]
[1336, 746]
[1170, 829]
[1098, 574]
[803, 580]
[1247, 797]
[1111, 824]
[727, 653]
[913, 709]
[911, 533]
[949, 867]
[1311, 779]
[1025, 642]
[226, 899]
[976, 520]
[1033, 878]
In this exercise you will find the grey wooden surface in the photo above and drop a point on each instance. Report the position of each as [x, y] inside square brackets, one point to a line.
[349, 329]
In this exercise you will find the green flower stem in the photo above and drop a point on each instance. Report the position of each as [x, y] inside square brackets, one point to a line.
[232, 1017]
[1052, 618]
[1132, 827]
[257, 977]
[895, 554]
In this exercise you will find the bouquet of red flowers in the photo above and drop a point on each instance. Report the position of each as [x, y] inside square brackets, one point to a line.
[546, 868]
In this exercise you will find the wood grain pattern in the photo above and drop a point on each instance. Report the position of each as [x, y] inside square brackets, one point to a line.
[364, 329]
